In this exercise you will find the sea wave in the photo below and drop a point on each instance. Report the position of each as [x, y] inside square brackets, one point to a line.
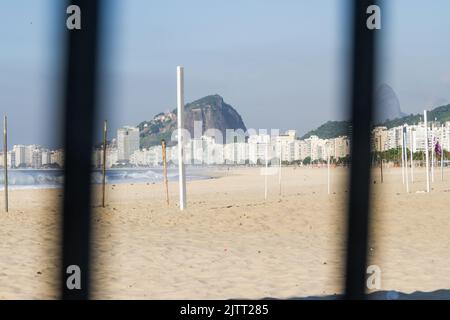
[23, 178]
[55, 178]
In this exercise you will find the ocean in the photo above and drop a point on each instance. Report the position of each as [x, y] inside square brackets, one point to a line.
[50, 178]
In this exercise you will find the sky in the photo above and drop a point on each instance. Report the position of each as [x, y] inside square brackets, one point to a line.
[280, 64]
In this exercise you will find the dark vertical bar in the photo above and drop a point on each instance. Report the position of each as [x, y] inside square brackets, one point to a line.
[362, 100]
[80, 107]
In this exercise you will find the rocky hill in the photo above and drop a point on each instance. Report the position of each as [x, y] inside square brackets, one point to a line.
[211, 110]
[387, 104]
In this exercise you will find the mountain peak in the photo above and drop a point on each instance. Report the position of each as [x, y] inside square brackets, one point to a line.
[211, 110]
[387, 104]
[213, 100]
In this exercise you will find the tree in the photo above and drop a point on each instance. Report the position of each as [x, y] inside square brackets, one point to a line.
[307, 161]
[344, 160]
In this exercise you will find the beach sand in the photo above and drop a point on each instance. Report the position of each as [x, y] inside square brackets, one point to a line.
[230, 242]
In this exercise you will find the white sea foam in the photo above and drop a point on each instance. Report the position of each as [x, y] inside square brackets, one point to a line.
[39, 179]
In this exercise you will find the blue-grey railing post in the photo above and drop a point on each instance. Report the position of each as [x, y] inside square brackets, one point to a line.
[80, 109]
[362, 105]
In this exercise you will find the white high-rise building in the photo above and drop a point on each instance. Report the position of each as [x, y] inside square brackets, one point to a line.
[11, 159]
[315, 148]
[392, 138]
[419, 138]
[57, 157]
[213, 153]
[46, 157]
[446, 142]
[341, 147]
[19, 151]
[297, 150]
[36, 158]
[257, 145]
[147, 157]
[111, 156]
[172, 154]
[197, 150]
[30, 158]
[127, 142]
[235, 153]
[284, 145]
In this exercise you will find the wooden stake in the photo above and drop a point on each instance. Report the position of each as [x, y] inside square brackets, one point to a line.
[104, 163]
[5, 160]
[166, 184]
[442, 152]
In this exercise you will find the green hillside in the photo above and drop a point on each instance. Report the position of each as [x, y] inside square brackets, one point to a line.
[333, 129]
[440, 114]
[330, 129]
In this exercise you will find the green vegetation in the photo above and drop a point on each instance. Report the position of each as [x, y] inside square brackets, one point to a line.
[334, 129]
[395, 155]
[345, 161]
[154, 140]
[307, 161]
[331, 129]
[440, 114]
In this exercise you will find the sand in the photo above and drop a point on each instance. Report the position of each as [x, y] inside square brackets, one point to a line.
[230, 242]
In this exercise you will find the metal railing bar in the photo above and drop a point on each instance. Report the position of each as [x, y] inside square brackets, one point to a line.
[362, 105]
[80, 109]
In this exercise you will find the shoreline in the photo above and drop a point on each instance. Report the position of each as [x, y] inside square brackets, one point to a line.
[196, 175]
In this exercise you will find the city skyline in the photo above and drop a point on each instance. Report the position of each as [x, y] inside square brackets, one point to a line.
[295, 65]
[124, 149]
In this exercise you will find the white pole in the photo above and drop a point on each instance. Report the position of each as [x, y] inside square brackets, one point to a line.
[5, 160]
[328, 169]
[441, 143]
[279, 170]
[448, 138]
[403, 160]
[180, 121]
[406, 160]
[426, 149]
[265, 175]
[432, 154]
[411, 154]
[105, 132]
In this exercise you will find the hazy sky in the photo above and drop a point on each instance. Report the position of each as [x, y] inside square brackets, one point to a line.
[281, 64]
